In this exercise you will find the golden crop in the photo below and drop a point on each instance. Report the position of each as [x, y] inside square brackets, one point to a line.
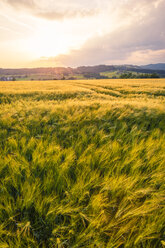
[82, 164]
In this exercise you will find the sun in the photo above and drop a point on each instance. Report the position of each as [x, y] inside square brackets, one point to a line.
[49, 41]
[48, 45]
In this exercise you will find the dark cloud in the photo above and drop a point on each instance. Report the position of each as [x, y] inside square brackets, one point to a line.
[142, 35]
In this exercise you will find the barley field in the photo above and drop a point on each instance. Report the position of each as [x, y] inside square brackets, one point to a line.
[82, 164]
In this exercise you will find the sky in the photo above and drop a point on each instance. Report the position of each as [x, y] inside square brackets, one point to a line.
[49, 33]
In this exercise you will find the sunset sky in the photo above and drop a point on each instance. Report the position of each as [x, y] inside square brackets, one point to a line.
[36, 33]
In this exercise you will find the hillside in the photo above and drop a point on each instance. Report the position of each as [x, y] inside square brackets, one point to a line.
[83, 72]
[159, 66]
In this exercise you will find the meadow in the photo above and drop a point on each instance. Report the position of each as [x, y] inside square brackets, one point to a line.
[82, 164]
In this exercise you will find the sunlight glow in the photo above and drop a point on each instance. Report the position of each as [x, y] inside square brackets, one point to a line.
[48, 42]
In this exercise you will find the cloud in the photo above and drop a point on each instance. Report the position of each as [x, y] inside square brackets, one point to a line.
[146, 57]
[20, 4]
[129, 30]
[53, 15]
[52, 10]
[145, 33]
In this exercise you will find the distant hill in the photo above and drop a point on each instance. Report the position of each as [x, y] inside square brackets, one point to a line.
[82, 72]
[159, 66]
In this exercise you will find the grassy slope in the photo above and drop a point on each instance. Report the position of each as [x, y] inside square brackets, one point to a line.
[82, 164]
